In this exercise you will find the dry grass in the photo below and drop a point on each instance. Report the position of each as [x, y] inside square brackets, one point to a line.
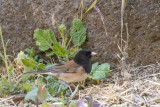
[143, 89]
[16, 73]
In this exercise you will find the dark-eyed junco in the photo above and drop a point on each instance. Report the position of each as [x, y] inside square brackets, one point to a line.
[75, 70]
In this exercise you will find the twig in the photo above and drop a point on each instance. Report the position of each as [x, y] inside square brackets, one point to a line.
[156, 83]
[127, 100]
[148, 76]
[6, 99]
[125, 91]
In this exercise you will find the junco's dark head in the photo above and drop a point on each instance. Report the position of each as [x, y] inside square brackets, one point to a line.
[83, 58]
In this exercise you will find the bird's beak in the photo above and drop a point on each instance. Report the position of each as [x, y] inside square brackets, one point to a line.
[93, 54]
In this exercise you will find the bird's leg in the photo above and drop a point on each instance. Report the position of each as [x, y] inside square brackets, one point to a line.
[73, 85]
[70, 89]
[82, 84]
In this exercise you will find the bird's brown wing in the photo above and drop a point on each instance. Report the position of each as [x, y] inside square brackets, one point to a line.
[69, 67]
[77, 76]
[69, 72]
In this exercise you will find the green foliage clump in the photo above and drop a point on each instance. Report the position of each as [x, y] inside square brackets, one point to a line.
[100, 71]
[7, 86]
[55, 87]
[47, 42]
[28, 62]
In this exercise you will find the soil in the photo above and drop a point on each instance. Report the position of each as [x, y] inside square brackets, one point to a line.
[19, 19]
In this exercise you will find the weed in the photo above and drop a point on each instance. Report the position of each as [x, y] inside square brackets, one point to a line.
[46, 40]
[7, 86]
[4, 57]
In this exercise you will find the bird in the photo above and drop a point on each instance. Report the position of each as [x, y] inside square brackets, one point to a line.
[75, 70]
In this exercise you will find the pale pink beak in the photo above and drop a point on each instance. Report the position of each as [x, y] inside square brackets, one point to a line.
[93, 54]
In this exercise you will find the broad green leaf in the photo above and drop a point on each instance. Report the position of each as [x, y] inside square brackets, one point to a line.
[26, 87]
[100, 71]
[28, 69]
[94, 67]
[45, 105]
[29, 62]
[31, 95]
[59, 50]
[78, 32]
[42, 93]
[44, 39]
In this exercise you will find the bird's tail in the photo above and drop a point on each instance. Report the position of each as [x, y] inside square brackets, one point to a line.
[53, 73]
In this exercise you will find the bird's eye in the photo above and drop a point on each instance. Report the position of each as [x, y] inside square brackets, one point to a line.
[88, 54]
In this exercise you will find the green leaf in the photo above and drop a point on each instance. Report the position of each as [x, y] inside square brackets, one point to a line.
[48, 54]
[29, 62]
[2, 56]
[52, 85]
[62, 27]
[41, 66]
[45, 105]
[42, 93]
[100, 71]
[30, 52]
[10, 69]
[78, 32]
[94, 67]
[44, 39]
[31, 95]
[59, 50]
[55, 99]
[29, 69]
[4, 81]
[50, 65]
[40, 60]
[73, 104]
[26, 87]
[35, 57]
[20, 56]
[24, 78]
